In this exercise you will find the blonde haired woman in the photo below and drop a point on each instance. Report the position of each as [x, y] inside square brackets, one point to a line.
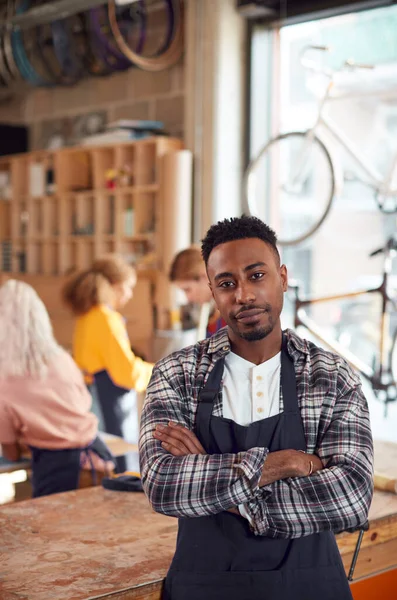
[188, 273]
[44, 403]
[101, 346]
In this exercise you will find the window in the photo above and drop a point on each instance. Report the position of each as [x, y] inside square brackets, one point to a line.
[363, 105]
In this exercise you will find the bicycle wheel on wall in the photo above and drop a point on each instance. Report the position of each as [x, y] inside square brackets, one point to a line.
[290, 184]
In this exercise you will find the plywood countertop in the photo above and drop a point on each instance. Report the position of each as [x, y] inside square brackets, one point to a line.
[97, 544]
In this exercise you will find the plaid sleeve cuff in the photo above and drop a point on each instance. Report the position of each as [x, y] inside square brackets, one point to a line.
[250, 463]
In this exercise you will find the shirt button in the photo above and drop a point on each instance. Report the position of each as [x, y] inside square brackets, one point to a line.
[259, 410]
[259, 394]
[259, 377]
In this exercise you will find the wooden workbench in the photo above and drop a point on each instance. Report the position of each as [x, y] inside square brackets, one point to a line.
[95, 543]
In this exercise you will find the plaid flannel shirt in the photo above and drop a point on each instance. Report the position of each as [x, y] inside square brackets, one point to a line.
[336, 426]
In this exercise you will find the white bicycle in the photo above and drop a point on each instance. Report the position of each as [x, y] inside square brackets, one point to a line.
[297, 171]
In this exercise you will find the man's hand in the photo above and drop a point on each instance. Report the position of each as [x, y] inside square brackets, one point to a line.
[178, 440]
[289, 463]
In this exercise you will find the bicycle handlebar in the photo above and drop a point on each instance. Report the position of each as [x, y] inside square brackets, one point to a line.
[311, 65]
[351, 64]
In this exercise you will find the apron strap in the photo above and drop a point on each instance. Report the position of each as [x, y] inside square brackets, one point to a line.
[206, 399]
[288, 379]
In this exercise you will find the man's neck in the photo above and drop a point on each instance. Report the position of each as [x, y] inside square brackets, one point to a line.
[260, 351]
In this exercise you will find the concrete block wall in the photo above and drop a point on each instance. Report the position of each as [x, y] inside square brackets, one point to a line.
[134, 94]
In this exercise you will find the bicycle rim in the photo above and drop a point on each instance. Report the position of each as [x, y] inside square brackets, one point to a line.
[290, 185]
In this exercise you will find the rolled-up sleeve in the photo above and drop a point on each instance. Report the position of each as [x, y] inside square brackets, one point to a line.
[338, 497]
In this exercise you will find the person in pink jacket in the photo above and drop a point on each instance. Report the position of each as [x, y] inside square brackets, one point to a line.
[44, 402]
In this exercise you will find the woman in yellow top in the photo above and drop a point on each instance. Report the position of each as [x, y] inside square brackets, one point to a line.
[101, 347]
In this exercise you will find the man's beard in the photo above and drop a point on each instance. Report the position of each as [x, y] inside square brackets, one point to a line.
[257, 334]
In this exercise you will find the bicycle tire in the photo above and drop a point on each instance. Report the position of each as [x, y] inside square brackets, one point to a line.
[167, 58]
[327, 206]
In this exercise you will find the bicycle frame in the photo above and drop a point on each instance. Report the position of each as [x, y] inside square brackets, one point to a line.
[381, 184]
[380, 376]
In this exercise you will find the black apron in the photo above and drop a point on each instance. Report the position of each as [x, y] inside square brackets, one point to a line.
[119, 411]
[218, 557]
[55, 471]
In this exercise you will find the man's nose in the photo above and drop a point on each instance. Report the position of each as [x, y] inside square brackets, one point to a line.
[245, 294]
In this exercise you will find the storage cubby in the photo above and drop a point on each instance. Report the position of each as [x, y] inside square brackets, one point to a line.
[69, 206]
[73, 170]
[5, 181]
[125, 164]
[145, 213]
[145, 164]
[5, 219]
[104, 165]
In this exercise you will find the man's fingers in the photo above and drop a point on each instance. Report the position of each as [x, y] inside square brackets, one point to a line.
[192, 436]
[177, 436]
[177, 433]
[178, 444]
[173, 450]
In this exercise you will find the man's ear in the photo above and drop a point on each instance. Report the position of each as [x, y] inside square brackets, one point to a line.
[284, 277]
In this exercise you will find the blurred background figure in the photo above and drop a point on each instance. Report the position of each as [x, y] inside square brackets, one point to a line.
[188, 273]
[101, 347]
[44, 402]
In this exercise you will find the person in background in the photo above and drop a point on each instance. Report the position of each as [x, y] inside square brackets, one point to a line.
[101, 347]
[257, 440]
[44, 402]
[189, 275]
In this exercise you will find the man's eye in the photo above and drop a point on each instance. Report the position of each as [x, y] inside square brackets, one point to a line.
[258, 275]
[226, 284]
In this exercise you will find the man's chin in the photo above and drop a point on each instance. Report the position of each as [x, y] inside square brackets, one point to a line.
[255, 335]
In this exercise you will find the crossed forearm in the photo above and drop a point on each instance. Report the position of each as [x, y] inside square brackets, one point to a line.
[180, 441]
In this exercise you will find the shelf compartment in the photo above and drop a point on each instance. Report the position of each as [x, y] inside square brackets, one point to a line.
[50, 252]
[5, 181]
[125, 165]
[5, 219]
[41, 175]
[6, 256]
[19, 176]
[105, 210]
[74, 169]
[145, 164]
[104, 164]
[145, 220]
[83, 215]
[35, 257]
[51, 221]
[36, 217]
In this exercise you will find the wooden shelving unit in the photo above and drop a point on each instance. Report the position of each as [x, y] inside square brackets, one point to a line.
[57, 211]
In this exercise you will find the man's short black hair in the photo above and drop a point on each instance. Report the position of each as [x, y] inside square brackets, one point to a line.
[237, 228]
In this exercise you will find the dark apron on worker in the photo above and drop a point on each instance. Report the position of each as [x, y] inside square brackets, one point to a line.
[218, 557]
[119, 411]
[55, 471]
